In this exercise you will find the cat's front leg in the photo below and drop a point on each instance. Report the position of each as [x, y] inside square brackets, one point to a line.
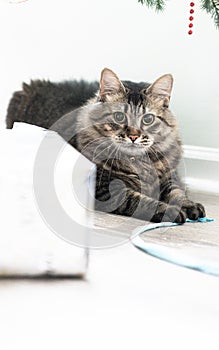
[128, 202]
[158, 211]
[174, 195]
[170, 213]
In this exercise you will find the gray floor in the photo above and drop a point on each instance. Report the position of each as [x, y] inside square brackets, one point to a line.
[198, 234]
[129, 300]
[118, 229]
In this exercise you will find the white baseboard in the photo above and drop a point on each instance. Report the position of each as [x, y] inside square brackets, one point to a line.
[202, 168]
[202, 153]
[202, 185]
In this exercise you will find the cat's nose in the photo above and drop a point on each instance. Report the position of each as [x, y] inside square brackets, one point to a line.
[133, 137]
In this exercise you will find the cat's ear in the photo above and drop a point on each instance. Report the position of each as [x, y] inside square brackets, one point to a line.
[110, 84]
[162, 87]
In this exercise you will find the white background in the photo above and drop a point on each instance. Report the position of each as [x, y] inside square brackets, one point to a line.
[130, 300]
[64, 39]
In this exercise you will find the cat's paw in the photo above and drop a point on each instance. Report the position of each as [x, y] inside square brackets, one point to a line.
[171, 213]
[193, 210]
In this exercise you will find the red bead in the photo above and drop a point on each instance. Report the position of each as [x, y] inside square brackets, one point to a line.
[191, 11]
[192, 4]
[190, 32]
[190, 25]
[191, 18]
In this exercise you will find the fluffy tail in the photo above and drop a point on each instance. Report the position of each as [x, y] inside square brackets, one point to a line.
[42, 102]
[17, 106]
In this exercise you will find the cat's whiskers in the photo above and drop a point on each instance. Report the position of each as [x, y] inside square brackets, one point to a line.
[154, 152]
[92, 141]
[157, 153]
[118, 147]
[103, 150]
[108, 158]
[100, 144]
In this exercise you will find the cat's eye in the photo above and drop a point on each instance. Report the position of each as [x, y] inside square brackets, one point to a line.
[119, 117]
[148, 119]
[144, 91]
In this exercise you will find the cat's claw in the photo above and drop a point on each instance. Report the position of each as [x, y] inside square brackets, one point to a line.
[194, 210]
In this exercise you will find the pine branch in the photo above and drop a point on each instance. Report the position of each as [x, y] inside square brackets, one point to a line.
[216, 4]
[212, 7]
[216, 12]
[207, 5]
[157, 4]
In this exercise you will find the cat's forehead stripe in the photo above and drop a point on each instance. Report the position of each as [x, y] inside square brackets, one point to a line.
[136, 110]
[126, 107]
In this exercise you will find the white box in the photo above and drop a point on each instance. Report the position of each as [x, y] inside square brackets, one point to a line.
[35, 238]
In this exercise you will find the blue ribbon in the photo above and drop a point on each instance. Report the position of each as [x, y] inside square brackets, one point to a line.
[169, 254]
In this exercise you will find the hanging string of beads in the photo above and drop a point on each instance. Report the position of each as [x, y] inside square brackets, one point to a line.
[210, 6]
[191, 17]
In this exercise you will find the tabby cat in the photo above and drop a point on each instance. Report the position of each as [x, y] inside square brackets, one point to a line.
[127, 130]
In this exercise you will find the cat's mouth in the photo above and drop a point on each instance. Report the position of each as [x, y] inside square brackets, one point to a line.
[134, 149]
[135, 145]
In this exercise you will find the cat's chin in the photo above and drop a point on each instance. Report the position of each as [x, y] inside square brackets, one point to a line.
[133, 150]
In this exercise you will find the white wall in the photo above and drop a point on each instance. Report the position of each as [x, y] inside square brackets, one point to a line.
[63, 39]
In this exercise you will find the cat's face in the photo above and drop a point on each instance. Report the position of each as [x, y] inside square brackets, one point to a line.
[132, 117]
[131, 129]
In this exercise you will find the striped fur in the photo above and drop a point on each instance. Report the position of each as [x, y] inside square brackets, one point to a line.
[136, 160]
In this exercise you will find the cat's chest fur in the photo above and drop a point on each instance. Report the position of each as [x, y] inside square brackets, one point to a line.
[141, 175]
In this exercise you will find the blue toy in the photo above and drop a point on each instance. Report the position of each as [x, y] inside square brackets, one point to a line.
[175, 255]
